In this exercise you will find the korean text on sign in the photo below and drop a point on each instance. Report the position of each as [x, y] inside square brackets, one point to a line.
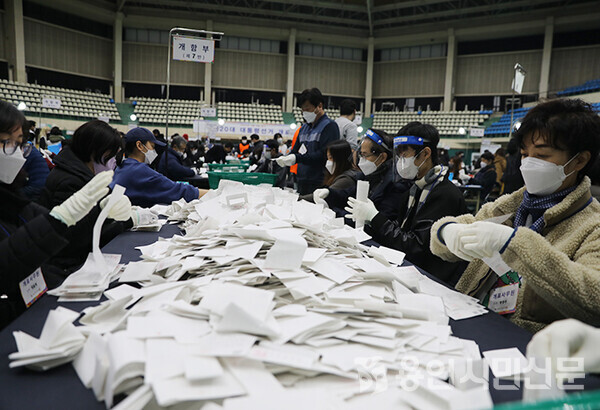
[193, 49]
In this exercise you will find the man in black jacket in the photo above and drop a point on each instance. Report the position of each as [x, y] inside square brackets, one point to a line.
[218, 153]
[431, 197]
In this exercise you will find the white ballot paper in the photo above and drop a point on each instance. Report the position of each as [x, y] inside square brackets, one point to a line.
[281, 307]
[362, 194]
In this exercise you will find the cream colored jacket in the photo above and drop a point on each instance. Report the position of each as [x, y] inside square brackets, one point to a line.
[561, 267]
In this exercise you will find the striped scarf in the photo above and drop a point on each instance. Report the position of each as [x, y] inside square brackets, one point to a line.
[536, 206]
[435, 174]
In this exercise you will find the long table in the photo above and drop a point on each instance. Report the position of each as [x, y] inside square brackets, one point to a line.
[60, 388]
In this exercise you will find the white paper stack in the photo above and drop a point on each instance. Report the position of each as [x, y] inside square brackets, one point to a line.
[90, 281]
[59, 342]
[273, 303]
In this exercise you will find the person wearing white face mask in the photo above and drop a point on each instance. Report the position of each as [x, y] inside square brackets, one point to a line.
[430, 197]
[31, 235]
[486, 177]
[309, 151]
[341, 173]
[547, 233]
[376, 167]
[144, 186]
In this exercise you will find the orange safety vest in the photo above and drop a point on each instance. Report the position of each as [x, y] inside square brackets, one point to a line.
[242, 148]
[294, 168]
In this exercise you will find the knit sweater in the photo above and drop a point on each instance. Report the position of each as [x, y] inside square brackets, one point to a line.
[560, 266]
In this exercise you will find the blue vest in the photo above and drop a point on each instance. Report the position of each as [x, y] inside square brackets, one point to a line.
[311, 138]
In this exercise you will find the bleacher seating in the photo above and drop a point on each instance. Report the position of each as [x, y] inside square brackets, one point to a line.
[258, 113]
[587, 87]
[153, 111]
[447, 122]
[74, 103]
[331, 113]
[502, 126]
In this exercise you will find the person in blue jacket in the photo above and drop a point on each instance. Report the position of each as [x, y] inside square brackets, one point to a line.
[171, 161]
[144, 186]
[310, 151]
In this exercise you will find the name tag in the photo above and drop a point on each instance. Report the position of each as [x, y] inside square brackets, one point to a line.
[302, 150]
[32, 287]
[503, 300]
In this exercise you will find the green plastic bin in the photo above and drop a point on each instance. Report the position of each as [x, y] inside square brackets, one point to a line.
[573, 401]
[228, 167]
[249, 178]
[238, 161]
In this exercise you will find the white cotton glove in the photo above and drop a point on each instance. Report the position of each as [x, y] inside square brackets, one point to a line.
[451, 236]
[78, 205]
[143, 216]
[121, 210]
[483, 239]
[319, 196]
[568, 339]
[359, 210]
[286, 161]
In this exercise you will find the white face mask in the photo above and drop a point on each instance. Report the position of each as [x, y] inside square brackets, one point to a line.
[406, 167]
[149, 156]
[309, 116]
[543, 177]
[330, 166]
[10, 165]
[367, 167]
[194, 151]
[267, 155]
[280, 141]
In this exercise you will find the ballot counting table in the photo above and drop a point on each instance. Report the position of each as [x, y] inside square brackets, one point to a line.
[60, 388]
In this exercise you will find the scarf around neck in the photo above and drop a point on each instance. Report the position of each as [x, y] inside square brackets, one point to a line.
[426, 184]
[536, 206]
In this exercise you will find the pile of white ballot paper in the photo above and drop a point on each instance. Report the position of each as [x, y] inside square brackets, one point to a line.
[267, 302]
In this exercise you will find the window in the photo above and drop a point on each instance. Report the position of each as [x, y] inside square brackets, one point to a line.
[250, 44]
[413, 52]
[325, 51]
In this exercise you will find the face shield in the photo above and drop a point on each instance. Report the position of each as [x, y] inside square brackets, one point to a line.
[407, 157]
[369, 161]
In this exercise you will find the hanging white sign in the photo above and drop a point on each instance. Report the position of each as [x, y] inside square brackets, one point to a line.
[50, 102]
[208, 112]
[477, 132]
[199, 50]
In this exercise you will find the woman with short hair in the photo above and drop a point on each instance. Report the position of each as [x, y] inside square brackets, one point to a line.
[544, 239]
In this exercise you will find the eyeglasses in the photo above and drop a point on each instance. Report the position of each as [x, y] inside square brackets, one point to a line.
[9, 147]
[365, 154]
